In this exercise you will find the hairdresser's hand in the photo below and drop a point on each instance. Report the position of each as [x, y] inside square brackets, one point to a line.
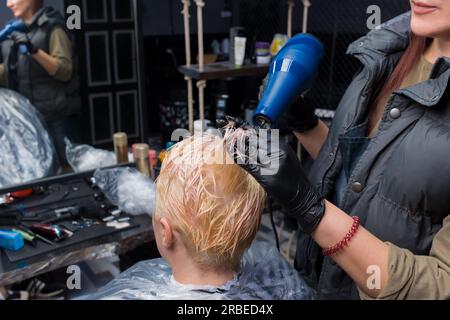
[276, 167]
[21, 38]
[299, 117]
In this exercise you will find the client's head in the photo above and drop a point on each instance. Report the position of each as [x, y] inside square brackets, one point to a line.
[208, 209]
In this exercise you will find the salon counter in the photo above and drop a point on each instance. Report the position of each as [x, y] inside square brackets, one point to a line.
[108, 246]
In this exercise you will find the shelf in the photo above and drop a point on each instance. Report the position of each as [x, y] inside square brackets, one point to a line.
[223, 70]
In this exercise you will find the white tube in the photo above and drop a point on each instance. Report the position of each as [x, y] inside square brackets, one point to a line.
[306, 5]
[187, 31]
[187, 40]
[201, 55]
[201, 99]
[190, 103]
[239, 50]
[201, 58]
[291, 6]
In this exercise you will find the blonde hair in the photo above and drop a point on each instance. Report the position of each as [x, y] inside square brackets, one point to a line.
[216, 206]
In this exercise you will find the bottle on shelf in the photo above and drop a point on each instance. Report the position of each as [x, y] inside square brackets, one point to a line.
[121, 147]
[142, 159]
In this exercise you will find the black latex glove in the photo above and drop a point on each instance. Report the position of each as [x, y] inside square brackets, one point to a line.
[21, 38]
[299, 117]
[278, 170]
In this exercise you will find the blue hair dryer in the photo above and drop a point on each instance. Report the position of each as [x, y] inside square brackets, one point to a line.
[16, 25]
[292, 72]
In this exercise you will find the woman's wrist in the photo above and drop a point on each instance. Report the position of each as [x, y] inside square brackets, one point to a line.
[345, 242]
[49, 63]
[333, 227]
[364, 253]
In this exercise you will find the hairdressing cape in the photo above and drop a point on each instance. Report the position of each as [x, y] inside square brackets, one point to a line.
[264, 275]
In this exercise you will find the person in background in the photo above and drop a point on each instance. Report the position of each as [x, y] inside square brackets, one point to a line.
[46, 72]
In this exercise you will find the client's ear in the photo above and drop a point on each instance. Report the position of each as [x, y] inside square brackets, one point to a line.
[166, 233]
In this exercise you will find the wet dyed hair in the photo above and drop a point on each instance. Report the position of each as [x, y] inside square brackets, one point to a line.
[216, 206]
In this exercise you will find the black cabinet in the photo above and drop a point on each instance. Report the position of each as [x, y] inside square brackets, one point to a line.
[110, 52]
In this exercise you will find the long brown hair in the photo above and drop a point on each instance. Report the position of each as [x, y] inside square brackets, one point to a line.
[409, 59]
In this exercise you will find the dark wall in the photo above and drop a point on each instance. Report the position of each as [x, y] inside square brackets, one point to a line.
[349, 16]
[163, 17]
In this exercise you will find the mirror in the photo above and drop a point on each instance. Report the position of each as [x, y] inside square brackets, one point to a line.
[101, 96]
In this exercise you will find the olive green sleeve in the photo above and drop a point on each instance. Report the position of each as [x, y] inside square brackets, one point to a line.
[2, 75]
[420, 277]
[61, 49]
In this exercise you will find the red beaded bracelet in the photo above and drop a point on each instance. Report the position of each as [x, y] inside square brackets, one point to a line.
[345, 242]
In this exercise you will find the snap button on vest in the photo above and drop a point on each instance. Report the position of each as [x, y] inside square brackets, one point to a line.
[395, 113]
[357, 187]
